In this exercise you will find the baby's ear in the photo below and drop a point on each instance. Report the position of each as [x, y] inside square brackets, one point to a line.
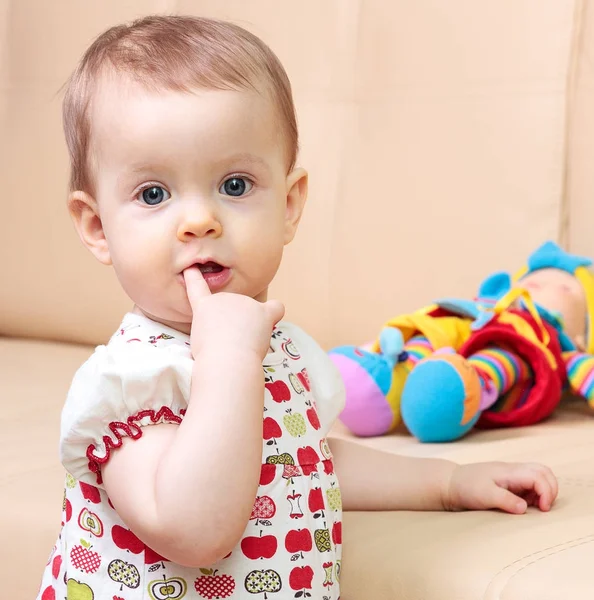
[296, 197]
[85, 215]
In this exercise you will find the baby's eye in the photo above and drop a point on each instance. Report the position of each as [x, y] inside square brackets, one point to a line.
[236, 186]
[154, 195]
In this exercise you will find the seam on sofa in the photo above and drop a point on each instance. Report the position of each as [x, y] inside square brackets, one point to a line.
[576, 481]
[563, 232]
[500, 580]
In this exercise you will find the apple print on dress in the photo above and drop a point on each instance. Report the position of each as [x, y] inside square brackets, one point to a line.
[174, 588]
[290, 472]
[267, 473]
[212, 586]
[312, 416]
[56, 566]
[255, 548]
[303, 377]
[89, 521]
[155, 560]
[49, 593]
[295, 423]
[334, 497]
[308, 460]
[295, 502]
[315, 502]
[90, 492]
[264, 509]
[84, 559]
[123, 573]
[153, 339]
[337, 569]
[279, 390]
[297, 542]
[125, 540]
[328, 571]
[76, 590]
[263, 582]
[337, 533]
[296, 384]
[300, 580]
[67, 508]
[290, 349]
[271, 431]
[322, 540]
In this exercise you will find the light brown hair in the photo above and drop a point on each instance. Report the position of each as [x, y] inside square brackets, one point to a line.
[177, 53]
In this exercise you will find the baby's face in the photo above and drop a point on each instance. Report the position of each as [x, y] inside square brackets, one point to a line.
[561, 292]
[191, 179]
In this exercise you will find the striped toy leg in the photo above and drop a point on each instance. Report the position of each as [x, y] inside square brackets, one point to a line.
[507, 373]
[417, 348]
[580, 374]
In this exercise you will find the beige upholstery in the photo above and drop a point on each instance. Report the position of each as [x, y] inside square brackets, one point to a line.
[444, 140]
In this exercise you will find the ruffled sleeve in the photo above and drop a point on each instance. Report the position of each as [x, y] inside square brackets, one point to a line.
[326, 383]
[118, 391]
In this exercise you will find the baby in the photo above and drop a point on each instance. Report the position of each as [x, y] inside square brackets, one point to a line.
[196, 440]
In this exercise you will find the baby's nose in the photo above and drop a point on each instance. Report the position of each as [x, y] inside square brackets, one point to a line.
[199, 222]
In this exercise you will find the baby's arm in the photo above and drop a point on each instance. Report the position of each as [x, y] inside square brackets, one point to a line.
[187, 491]
[374, 480]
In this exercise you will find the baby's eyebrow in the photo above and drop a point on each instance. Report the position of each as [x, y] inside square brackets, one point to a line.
[246, 157]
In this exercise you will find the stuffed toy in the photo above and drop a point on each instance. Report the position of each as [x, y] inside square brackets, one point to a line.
[521, 343]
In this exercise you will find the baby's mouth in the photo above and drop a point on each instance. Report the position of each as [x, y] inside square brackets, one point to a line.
[209, 267]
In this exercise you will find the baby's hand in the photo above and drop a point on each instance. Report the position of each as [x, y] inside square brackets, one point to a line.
[234, 321]
[510, 487]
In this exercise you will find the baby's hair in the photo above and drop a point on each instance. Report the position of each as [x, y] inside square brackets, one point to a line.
[177, 53]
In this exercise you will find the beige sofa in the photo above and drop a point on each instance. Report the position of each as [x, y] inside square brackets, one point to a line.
[444, 140]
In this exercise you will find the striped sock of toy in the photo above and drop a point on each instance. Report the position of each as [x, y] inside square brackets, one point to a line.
[580, 374]
[504, 370]
[418, 347]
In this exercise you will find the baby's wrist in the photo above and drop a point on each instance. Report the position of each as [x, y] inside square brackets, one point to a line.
[449, 496]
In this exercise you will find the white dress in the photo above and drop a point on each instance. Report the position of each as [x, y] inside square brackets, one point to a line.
[291, 547]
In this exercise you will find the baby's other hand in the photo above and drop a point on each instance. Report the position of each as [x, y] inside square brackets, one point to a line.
[510, 487]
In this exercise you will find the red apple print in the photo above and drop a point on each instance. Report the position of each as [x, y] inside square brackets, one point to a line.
[279, 390]
[267, 473]
[300, 578]
[259, 547]
[110, 504]
[48, 593]
[312, 416]
[316, 500]
[126, 540]
[337, 532]
[56, 564]
[90, 492]
[303, 377]
[85, 559]
[328, 467]
[308, 459]
[151, 557]
[211, 585]
[264, 508]
[68, 510]
[117, 598]
[272, 429]
[298, 540]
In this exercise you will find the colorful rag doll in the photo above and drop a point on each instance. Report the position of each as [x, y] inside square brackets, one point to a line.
[529, 340]
[375, 377]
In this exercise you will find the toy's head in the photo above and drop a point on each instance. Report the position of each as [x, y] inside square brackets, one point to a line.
[562, 284]
[373, 383]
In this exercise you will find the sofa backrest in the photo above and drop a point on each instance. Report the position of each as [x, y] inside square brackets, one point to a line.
[444, 141]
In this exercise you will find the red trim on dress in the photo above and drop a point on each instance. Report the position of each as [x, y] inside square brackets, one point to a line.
[132, 429]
